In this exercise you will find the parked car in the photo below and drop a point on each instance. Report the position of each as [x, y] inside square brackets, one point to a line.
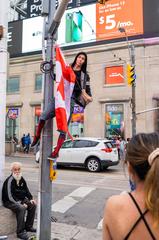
[94, 154]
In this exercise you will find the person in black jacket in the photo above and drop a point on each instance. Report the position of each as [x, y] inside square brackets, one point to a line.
[17, 197]
[79, 67]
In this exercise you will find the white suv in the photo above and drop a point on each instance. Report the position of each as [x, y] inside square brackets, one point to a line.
[92, 153]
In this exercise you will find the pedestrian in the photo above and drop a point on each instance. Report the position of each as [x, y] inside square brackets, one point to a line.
[117, 142]
[15, 142]
[17, 197]
[23, 141]
[27, 142]
[122, 148]
[135, 215]
[79, 67]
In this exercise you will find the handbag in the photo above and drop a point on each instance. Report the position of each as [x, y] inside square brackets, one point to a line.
[83, 99]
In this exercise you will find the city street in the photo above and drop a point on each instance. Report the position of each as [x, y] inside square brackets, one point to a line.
[78, 196]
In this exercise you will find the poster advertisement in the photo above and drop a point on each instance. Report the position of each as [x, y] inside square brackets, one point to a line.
[12, 113]
[77, 26]
[117, 14]
[114, 75]
[32, 34]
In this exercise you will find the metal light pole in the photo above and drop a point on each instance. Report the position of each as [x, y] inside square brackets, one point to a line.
[131, 50]
[52, 21]
[4, 6]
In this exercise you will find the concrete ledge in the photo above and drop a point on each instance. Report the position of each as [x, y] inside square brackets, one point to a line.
[8, 222]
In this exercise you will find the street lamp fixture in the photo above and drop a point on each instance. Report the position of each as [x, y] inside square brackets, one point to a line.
[122, 30]
[131, 50]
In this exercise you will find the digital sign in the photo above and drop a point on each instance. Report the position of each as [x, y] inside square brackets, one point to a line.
[34, 8]
[117, 14]
[87, 24]
[77, 26]
[15, 38]
[32, 34]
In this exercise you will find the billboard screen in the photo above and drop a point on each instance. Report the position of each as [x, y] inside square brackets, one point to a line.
[77, 26]
[115, 14]
[15, 38]
[32, 34]
[88, 24]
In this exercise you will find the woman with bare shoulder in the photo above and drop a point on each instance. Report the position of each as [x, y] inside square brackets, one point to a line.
[135, 215]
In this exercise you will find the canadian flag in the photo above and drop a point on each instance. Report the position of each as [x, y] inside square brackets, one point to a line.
[65, 81]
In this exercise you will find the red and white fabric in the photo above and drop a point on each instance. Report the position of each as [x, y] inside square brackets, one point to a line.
[65, 81]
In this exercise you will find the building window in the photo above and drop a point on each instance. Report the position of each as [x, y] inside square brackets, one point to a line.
[114, 75]
[114, 120]
[76, 126]
[38, 82]
[13, 84]
[12, 123]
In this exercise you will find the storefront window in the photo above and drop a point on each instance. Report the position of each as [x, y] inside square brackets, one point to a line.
[76, 126]
[12, 123]
[114, 120]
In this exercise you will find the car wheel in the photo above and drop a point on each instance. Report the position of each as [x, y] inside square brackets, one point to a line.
[93, 165]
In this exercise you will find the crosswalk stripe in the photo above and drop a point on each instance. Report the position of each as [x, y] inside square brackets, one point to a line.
[68, 201]
[63, 205]
[81, 192]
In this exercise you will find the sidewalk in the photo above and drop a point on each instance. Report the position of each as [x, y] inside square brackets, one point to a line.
[23, 155]
[61, 231]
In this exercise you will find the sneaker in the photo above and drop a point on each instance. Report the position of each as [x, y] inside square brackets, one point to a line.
[31, 229]
[51, 157]
[23, 235]
[35, 141]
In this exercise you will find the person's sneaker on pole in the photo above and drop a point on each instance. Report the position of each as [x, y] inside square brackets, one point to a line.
[31, 229]
[60, 141]
[23, 235]
[53, 155]
[38, 132]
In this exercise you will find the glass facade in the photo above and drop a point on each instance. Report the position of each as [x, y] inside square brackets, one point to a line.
[13, 84]
[114, 120]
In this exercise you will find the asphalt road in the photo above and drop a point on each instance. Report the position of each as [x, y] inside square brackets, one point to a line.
[78, 196]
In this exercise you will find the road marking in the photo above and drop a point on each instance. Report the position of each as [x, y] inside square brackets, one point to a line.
[100, 225]
[81, 192]
[99, 186]
[68, 201]
[63, 205]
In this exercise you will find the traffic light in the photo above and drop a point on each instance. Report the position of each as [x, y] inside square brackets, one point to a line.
[102, 1]
[130, 74]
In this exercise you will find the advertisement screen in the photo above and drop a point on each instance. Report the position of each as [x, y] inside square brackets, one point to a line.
[88, 24]
[14, 38]
[117, 14]
[32, 34]
[78, 26]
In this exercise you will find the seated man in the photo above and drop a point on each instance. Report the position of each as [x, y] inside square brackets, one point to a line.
[17, 197]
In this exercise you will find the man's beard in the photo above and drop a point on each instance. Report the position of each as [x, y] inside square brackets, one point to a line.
[17, 177]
